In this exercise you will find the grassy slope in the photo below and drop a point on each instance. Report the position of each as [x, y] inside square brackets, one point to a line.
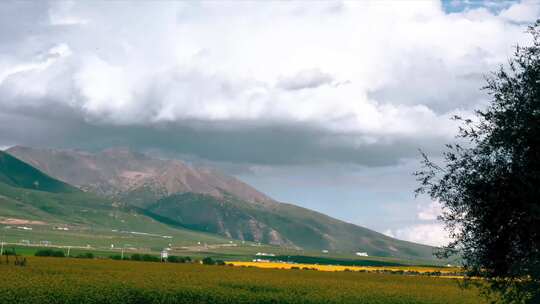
[304, 228]
[90, 218]
[19, 174]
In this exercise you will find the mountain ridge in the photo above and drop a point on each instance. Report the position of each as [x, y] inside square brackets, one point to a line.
[119, 172]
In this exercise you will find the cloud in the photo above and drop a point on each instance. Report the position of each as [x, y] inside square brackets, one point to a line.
[306, 79]
[429, 234]
[526, 11]
[315, 75]
[41, 63]
[428, 230]
[430, 212]
[60, 13]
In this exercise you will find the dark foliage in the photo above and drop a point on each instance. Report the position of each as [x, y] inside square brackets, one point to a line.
[302, 259]
[87, 255]
[50, 253]
[145, 258]
[178, 259]
[489, 184]
[220, 263]
[9, 252]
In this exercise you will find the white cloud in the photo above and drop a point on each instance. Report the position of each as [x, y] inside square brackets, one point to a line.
[430, 234]
[430, 212]
[428, 230]
[525, 11]
[40, 64]
[184, 61]
[60, 13]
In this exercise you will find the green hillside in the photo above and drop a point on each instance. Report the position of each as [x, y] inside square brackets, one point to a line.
[278, 223]
[19, 174]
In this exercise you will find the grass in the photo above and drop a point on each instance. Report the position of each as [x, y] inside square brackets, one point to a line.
[100, 246]
[19, 174]
[64, 280]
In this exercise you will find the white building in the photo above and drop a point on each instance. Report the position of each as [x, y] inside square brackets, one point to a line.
[164, 255]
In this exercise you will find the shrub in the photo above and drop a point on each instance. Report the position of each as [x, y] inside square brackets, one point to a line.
[9, 252]
[208, 261]
[145, 258]
[87, 255]
[150, 258]
[136, 257]
[50, 253]
[178, 259]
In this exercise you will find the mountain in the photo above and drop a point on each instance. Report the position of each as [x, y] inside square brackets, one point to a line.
[278, 224]
[29, 196]
[201, 199]
[133, 177]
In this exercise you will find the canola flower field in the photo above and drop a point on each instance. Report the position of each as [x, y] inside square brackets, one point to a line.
[66, 280]
[452, 272]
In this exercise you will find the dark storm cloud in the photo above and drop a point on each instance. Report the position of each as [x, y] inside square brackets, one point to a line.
[286, 144]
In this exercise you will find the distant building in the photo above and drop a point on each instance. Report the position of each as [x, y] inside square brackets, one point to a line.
[363, 254]
[325, 251]
[164, 255]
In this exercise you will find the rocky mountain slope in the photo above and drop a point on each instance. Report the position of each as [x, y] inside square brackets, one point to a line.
[133, 177]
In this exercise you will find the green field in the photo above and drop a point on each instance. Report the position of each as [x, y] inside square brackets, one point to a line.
[63, 280]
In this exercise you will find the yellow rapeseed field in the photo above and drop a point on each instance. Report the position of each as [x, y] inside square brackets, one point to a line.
[418, 269]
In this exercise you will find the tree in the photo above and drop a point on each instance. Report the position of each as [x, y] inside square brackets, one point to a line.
[489, 182]
[208, 261]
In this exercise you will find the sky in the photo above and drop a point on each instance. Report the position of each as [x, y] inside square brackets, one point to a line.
[323, 104]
